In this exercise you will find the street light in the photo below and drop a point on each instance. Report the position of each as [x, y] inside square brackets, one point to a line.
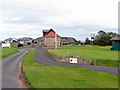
[55, 41]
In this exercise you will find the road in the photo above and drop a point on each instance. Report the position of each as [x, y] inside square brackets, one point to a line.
[11, 70]
[45, 59]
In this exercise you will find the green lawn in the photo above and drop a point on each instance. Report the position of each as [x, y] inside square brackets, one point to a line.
[45, 76]
[4, 52]
[103, 55]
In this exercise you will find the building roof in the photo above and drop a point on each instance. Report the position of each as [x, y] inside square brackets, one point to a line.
[45, 30]
[25, 39]
[116, 37]
[9, 39]
[39, 38]
[51, 33]
[67, 39]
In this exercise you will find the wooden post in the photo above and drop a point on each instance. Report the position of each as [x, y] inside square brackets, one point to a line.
[55, 41]
[95, 65]
[78, 62]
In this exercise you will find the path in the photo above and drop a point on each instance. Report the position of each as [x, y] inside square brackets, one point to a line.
[45, 59]
[11, 70]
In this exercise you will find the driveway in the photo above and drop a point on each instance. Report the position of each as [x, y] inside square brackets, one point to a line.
[45, 59]
[11, 70]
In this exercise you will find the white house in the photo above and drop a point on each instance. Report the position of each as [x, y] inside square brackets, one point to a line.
[10, 40]
[24, 40]
[5, 45]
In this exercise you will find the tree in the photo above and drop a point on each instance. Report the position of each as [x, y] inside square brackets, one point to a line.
[32, 41]
[111, 34]
[3, 41]
[101, 33]
[79, 41]
[87, 41]
[20, 45]
[14, 41]
[28, 43]
[35, 42]
[104, 38]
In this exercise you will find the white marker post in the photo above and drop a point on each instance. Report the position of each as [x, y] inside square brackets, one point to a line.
[68, 51]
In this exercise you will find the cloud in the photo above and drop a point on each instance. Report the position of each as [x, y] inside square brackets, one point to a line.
[77, 18]
[20, 30]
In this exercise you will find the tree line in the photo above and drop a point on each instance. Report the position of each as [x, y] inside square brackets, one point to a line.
[102, 38]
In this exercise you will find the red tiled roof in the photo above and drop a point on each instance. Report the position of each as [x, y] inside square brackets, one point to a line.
[51, 33]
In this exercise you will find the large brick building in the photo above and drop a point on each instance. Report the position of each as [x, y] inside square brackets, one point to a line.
[49, 38]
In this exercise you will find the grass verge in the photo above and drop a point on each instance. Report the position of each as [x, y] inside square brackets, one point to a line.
[45, 76]
[4, 52]
[103, 55]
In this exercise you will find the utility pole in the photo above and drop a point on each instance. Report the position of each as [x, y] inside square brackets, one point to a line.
[45, 41]
[55, 41]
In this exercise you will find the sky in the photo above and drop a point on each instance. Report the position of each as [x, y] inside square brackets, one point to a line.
[69, 18]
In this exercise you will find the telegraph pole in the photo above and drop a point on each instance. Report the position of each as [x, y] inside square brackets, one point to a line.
[55, 41]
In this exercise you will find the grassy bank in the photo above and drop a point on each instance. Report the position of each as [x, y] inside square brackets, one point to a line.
[45, 76]
[4, 52]
[103, 55]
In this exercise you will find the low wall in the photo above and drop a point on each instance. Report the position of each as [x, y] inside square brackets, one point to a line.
[80, 60]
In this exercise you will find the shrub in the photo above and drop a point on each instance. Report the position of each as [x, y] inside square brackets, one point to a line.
[20, 45]
[28, 43]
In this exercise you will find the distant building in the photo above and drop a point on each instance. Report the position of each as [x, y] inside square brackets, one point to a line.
[24, 40]
[67, 40]
[6, 45]
[50, 38]
[11, 40]
[39, 41]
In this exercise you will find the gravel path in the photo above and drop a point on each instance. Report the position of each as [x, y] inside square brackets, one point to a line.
[11, 70]
[45, 59]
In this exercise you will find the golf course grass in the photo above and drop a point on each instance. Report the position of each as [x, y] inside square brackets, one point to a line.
[4, 52]
[45, 76]
[103, 55]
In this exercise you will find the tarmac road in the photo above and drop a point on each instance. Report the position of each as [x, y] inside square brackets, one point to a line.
[45, 59]
[11, 70]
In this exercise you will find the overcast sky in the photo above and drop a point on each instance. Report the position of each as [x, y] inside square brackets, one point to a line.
[73, 18]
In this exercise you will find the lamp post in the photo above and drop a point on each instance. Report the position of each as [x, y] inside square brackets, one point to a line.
[55, 41]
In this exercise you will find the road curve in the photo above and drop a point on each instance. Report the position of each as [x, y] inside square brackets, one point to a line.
[45, 59]
[11, 70]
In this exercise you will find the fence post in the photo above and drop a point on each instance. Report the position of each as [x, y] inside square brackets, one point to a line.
[95, 64]
[78, 63]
